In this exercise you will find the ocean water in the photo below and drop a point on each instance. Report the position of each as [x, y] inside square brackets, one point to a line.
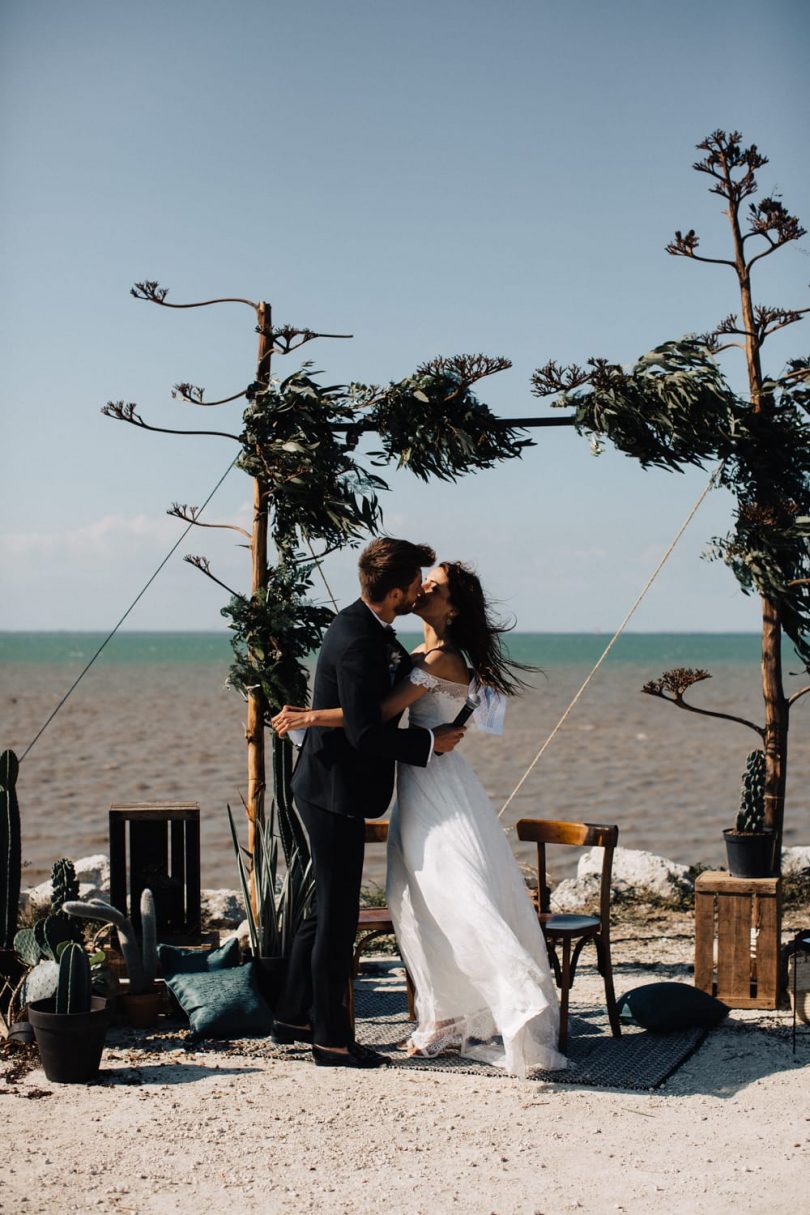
[153, 720]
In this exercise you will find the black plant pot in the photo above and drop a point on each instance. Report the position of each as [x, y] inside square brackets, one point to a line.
[70, 1044]
[21, 1032]
[750, 853]
[270, 975]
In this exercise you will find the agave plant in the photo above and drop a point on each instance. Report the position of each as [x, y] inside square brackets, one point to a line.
[281, 900]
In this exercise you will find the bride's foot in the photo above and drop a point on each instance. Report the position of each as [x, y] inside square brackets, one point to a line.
[434, 1039]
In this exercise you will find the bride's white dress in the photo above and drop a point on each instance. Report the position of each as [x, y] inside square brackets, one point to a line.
[465, 925]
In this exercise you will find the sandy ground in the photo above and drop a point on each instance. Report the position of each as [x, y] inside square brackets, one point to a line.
[232, 1129]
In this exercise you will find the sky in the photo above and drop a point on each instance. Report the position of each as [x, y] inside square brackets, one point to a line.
[433, 178]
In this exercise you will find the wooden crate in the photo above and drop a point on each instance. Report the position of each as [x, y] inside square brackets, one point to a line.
[738, 925]
[158, 845]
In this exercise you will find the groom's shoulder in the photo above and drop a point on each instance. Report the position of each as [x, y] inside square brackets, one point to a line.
[353, 621]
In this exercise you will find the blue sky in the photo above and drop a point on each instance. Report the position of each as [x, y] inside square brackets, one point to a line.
[431, 177]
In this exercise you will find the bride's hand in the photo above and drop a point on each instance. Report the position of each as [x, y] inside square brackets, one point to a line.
[292, 717]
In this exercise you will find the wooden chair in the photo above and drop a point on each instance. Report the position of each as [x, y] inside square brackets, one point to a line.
[375, 922]
[563, 931]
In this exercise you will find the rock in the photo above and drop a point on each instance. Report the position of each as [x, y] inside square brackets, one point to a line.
[242, 934]
[222, 908]
[640, 872]
[574, 893]
[635, 873]
[795, 861]
[93, 873]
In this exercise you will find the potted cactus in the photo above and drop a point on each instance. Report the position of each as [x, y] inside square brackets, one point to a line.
[11, 968]
[140, 1002]
[71, 1026]
[749, 845]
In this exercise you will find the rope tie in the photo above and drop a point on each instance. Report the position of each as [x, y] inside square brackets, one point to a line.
[711, 483]
[138, 597]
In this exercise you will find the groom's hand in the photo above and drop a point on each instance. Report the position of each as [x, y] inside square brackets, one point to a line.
[445, 738]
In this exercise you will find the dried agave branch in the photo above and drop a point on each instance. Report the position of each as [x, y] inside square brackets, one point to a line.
[153, 293]
[547, 381]
[202, 564]
[124, 411]
[768, 320]
[194, 395]
[467, 368]
[673, 684]
[190, 514]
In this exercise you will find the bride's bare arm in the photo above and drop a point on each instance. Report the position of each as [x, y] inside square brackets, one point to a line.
[293, 717]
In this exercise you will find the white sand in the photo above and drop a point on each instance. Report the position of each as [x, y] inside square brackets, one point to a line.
[219, 1131]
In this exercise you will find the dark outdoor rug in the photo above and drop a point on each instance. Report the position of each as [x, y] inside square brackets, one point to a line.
[636, 1060]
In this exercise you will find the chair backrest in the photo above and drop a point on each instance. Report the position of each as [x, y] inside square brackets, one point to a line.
[582, 835]
[376, 832]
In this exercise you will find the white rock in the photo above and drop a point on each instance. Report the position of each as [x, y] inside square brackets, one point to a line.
[574, 893]
[93, 873]
[222, 908]
[242, 934]
[642, 872]
[795, 861]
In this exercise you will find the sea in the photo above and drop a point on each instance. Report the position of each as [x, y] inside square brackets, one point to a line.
[154, 720]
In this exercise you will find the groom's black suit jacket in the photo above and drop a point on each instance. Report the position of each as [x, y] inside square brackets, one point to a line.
[350, 771]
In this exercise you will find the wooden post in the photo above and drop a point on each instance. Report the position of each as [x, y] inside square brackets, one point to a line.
[256, 782]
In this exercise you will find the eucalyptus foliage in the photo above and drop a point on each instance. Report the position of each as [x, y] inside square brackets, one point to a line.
[316, 488]
[674, 409]
[433, 424]
[273, 632]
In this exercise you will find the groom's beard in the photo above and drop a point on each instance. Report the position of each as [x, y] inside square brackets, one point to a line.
[405, 609]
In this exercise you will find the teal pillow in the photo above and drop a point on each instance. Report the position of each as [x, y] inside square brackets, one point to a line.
[174, 960]
[665, 1007]
[223, 1003]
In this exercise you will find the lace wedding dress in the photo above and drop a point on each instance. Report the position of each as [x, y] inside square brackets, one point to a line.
[465, 925]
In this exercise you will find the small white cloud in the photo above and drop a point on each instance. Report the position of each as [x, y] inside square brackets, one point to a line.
[102, 537]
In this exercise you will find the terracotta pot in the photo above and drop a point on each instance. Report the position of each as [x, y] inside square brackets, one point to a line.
[141, 1010]
[70, 1044]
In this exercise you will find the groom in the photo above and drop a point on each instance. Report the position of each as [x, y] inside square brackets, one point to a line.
[344, 776]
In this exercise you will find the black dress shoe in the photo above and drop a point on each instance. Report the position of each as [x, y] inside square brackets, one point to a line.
[352, 1058]
[288, 1035]
[364, 1052]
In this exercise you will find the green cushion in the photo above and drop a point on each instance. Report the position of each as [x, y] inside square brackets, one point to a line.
[223, 1003]
[669, 1006]
[175, 960]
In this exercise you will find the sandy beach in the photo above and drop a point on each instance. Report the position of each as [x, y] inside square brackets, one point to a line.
[241, 1127]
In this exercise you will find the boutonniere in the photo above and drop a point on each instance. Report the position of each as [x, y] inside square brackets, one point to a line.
[394, 657]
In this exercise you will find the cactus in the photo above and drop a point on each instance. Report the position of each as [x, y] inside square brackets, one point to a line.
[73, 989]
[148, 937]
[41, 982]
[97, 909]
[41, 943]
[751, 816]
[64, 884]
[27, 947]
[10, 854]
[64, 887]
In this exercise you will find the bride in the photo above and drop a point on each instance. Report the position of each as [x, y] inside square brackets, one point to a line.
[466, 928]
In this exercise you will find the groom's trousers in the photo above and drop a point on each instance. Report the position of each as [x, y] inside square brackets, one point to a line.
[320, 962]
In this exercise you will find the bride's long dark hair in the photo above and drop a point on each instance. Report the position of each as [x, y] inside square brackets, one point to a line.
[477, 632]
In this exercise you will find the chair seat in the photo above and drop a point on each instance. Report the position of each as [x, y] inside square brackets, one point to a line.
[374, 918]
[569, 925]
